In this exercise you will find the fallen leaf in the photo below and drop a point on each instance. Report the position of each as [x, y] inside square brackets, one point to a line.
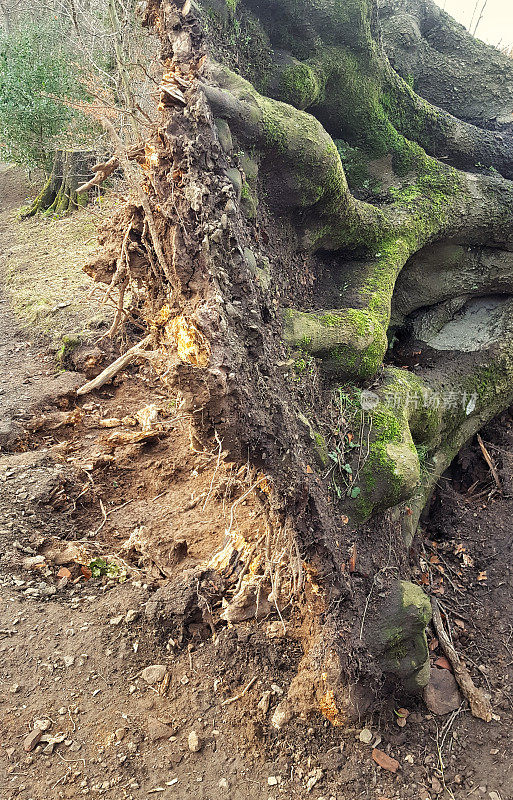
[402, 712]
[344, 519]
[424, 579]
[309, 470]
[443, 663]
[482, 576]
[433, 644]
[384, 761]
[434, 560]
[86, 572]
[459, 623]
[64, 573]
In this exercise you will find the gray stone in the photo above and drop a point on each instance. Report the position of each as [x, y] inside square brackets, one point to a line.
[154, 673]
[441, 695]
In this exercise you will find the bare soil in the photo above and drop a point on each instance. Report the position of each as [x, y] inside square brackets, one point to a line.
[77, 495]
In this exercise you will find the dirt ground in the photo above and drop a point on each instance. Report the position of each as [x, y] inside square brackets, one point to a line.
[96, 518]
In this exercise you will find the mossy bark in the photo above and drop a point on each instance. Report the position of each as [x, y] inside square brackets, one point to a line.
[59, 195]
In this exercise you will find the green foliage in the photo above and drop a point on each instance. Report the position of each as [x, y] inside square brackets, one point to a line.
[35, 63]
[101, 568]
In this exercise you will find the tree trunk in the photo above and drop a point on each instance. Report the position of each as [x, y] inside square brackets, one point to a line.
[59, 195]
[319, 245]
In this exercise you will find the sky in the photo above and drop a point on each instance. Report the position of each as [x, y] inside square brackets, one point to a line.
[496, 26]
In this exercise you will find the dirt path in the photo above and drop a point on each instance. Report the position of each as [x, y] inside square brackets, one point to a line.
[76, 500]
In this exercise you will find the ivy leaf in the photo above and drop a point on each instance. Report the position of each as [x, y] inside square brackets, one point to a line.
[355, 491]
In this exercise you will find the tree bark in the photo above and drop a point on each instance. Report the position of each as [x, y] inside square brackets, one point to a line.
[326, 251]
[59, 194]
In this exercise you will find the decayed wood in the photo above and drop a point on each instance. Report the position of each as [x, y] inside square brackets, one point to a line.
[479, 703]
[115, 367]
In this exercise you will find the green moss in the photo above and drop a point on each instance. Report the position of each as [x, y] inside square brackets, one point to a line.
[68, 345]
[298, 85]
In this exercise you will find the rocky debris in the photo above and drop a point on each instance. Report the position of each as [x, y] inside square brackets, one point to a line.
[32, 739]
[194, 742]
[158, 730]
[366, 736]
[223, 784]
[43, 724]
[282, 715]
[442, 695]
[264, 702]
[155, 673]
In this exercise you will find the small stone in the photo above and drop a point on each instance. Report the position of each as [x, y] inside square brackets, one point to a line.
[494, 796]
[33, 738]
[116, 620]
[154, 673]
[223, 784]
[43, 724]
[264, 702]
[62, 710]
[273, 780]
[441, 695]
[10, 751]
[366, 736]
[68, 661]
[120, 734]
[15, 688]
[282, 715]
[194, 742]
[436, 785]
[158, 730]
[131, 615]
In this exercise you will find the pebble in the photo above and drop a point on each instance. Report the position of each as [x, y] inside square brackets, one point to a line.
[43, 724]
[116, 620]
[223, 784]
[33, 738]
[154, 673]
[158, 730]
[442, 695]
[120, 734]
[264, 702]
[273, 780]
[131, 615]
[494, 796]
[194, 742]
[366, 736]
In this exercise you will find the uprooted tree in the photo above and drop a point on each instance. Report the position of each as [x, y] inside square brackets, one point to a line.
[326, 263]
